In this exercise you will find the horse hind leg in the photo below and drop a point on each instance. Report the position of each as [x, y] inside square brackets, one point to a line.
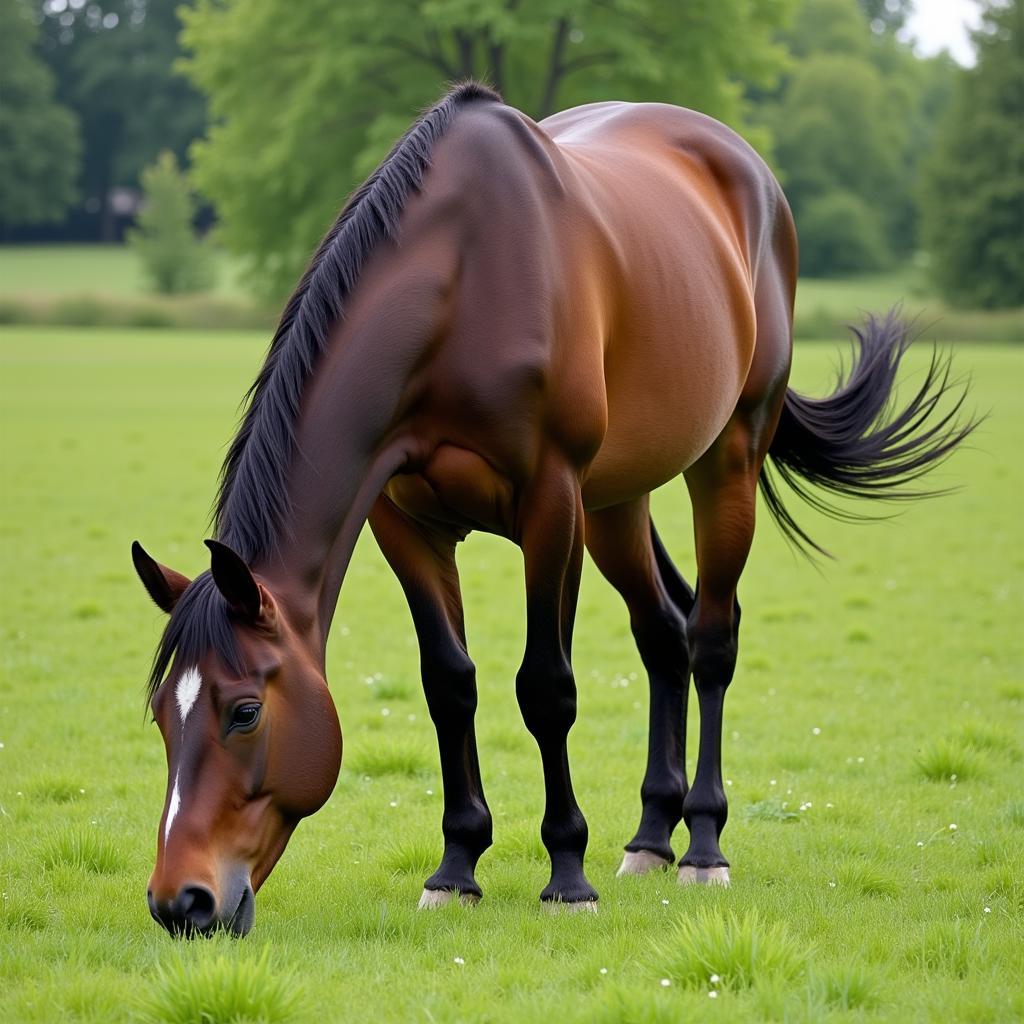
[625, 547]
[722, 485]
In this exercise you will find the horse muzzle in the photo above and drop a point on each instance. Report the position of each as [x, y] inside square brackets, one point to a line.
[195, 911]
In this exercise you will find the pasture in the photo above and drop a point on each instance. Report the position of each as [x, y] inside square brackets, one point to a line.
[873, 748]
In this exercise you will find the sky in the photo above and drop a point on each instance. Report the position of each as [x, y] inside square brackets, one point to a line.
[943, 25]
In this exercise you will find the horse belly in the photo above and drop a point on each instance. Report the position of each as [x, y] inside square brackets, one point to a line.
[670, 394]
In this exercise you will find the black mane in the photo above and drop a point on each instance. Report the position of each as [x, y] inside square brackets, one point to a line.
[252, 499]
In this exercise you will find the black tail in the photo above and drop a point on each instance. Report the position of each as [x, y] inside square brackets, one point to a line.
[854, 443]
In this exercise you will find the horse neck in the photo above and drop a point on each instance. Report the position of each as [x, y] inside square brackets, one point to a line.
[348, 445]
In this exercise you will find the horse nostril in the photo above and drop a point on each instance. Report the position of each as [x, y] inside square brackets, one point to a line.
[197, 905]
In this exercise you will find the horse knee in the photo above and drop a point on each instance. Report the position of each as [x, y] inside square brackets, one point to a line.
[547, 700]
[449, 685]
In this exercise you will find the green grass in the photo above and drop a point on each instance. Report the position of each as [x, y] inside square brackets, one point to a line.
[861, 688]
[112, 271]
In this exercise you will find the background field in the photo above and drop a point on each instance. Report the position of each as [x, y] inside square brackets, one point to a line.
[862, 690]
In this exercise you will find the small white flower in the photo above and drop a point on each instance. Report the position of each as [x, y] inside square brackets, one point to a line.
[728, 782]
[83, 791]
[830, 805]
[430, 792]
[712, 994]
[665, 983]
[459, 960]
[715, 979]
[988, 910]
[394, 803]
[815, 731]
[772, 783]
[831, 885]
[604, 970]
[952, 827]
[919, 843]
[860, 760]
[385, 712]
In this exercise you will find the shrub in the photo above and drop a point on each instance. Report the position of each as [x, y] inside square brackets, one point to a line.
[176, 260]
[840, 234]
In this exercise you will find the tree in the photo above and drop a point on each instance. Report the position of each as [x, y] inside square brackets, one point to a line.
[39, 145]
[973, 193]
[114, 62]
[838, 132]
[164, 239]
[305, 98]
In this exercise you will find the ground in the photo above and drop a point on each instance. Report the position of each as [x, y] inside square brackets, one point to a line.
[873, 744]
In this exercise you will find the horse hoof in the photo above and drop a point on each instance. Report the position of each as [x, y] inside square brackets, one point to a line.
[579, 907]
[640, 862]
[690, 875]
[432, 898]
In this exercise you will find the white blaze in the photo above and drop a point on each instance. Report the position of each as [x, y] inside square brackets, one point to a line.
[187, 690]
[172, 809]
[185, 693]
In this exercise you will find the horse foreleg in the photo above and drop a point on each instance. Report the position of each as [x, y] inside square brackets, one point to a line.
[551, 537]
[424, 562]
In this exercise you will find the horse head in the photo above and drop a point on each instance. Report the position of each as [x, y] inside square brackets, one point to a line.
[252, 738]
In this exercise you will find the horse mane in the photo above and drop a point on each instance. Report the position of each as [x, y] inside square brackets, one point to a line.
[252, 499]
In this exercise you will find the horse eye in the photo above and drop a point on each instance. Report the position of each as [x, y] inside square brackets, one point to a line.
[245, 716]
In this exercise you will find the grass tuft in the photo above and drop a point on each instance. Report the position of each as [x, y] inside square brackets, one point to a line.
[389, 759]
[740, 949]
[220, 991]
[769, 810]
[412, 857]
[845, 987]
[865, 879]
[984, 737]
[55, 789]
[392, 689]
[83, 849]
[947, 760]
[949, 947]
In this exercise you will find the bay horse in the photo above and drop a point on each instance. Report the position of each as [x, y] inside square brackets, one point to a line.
[524, 329]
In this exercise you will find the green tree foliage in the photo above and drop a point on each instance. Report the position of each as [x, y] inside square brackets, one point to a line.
[850, 123]
[174, 258]
[114, 62]
[39, 144]
[840, 234]
[305, 98]
[973, 195]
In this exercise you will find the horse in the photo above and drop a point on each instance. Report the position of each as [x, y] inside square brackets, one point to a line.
[521, 328]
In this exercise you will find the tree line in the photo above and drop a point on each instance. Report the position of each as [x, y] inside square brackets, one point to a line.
[278, 109]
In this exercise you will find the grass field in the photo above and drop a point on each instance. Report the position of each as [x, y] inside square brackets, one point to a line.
[873, 746]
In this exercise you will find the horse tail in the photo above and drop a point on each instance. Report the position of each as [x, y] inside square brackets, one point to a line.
[857, 442]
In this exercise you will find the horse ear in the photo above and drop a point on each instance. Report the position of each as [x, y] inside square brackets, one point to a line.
[245, 597]
[164, 585]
